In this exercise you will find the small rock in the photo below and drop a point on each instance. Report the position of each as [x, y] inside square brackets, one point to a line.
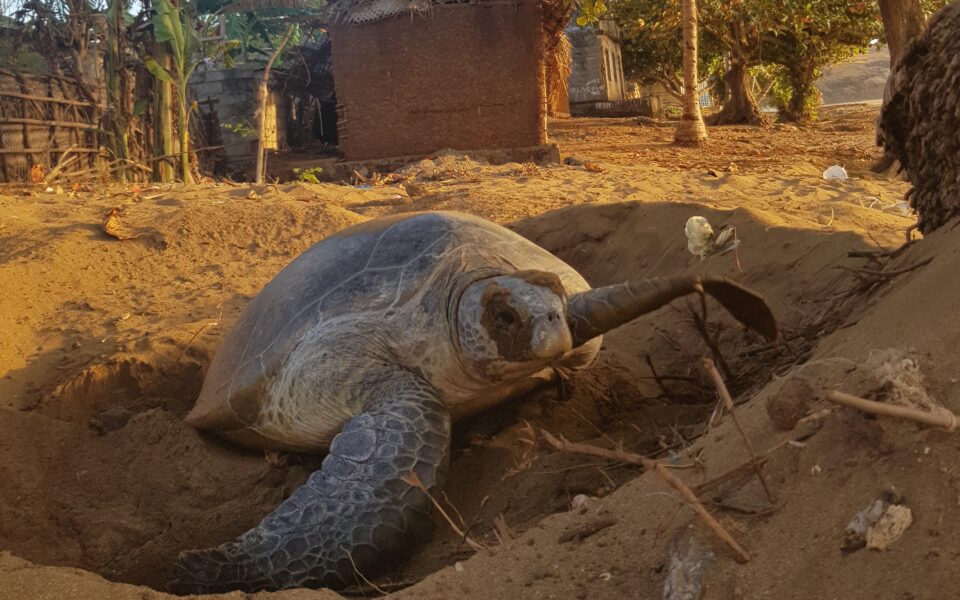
[890, 527]
[414, 189]
[580, 502]
[873, 528]
[791, 403]
[111, 419]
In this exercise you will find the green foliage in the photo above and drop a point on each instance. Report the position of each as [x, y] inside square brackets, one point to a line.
[243, 128]
[310, 175]
[19, 57]
[811, 34]
[254, 27]
[590, 11]
[799, 37]
[651, 39]
[157, 71]
[174, 26]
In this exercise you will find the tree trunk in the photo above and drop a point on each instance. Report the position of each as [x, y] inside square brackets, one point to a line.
[902, 21]
[163, 171]
[691, 131]
[116, 116]
[804, 96]
[262, 95]
[740, 106]
[184, 124]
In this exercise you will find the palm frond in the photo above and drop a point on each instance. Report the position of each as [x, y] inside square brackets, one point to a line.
[241, 6]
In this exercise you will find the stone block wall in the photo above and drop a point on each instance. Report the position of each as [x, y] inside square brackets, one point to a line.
[232, 94]
[597, 73]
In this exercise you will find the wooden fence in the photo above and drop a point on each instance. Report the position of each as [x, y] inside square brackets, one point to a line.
[41, 118]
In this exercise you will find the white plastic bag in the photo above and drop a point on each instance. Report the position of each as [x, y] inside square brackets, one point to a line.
[835, 172]
[699, 236]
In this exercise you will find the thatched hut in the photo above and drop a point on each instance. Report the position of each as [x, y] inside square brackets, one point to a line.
[416, 76]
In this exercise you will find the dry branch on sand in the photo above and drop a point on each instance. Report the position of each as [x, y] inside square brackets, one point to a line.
[564, 445]
[941, 418]
[714, 374]
[413, 480]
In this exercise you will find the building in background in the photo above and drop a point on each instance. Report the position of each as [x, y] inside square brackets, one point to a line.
[597, 70]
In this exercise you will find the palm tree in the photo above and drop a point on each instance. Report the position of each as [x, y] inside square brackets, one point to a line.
[691, 131]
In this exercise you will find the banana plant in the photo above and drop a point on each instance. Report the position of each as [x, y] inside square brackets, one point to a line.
[172, 25]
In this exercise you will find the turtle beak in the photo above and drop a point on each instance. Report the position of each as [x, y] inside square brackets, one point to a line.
[551, 336]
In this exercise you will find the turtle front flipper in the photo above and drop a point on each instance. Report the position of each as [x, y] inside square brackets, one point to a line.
[354, 514]
[595, 312]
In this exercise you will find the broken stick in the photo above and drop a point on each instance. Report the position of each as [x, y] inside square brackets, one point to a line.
[718, 383]
[942, 418]
[565, 445]
[413, 480]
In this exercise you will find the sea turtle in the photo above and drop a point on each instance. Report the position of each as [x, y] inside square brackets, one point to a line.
[367, 346]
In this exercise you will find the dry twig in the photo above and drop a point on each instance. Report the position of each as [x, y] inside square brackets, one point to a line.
[503, 531]
[711, 370]
[586, 530]
[943, 418]
[564, 445]
[700, 322]
[61, 163]
[414, 481]
[659, 380]
[361, 575]
[733, 474]
[887, 274]
[881, 253]
[213, 323]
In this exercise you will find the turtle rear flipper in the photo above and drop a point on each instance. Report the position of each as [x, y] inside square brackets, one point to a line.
[351, 515]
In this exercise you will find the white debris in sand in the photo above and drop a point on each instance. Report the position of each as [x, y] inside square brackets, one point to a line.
[835, 172]
[699, 236]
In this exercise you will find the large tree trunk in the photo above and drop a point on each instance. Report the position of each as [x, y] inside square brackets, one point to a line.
[902, 21]
[804, 96]
[920, 121]
[740, 106]
[691, 131]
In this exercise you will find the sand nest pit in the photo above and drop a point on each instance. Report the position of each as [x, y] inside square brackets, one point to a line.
[121, 484]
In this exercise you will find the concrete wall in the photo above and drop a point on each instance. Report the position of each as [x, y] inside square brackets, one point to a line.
[233, 93]
[597, 74]
[464, 76]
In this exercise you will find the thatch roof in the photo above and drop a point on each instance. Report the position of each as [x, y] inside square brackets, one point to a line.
[366, 11]
[308, 71]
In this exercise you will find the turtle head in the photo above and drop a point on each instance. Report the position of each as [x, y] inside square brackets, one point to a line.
[514, 323]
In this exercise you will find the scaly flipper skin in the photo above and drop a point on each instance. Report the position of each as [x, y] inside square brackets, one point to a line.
[355, 507]
[600, 310]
